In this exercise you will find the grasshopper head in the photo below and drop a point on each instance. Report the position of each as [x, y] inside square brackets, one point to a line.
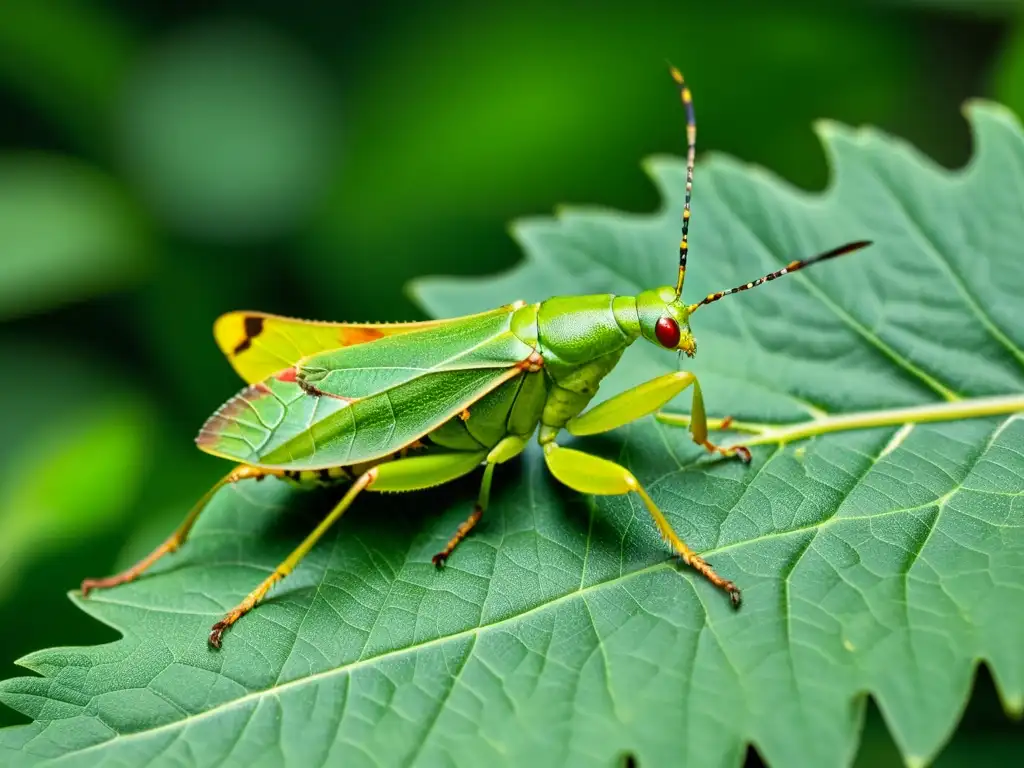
[665, 320]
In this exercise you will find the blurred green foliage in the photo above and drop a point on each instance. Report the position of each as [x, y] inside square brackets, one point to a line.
[160, 165]
[68, 233]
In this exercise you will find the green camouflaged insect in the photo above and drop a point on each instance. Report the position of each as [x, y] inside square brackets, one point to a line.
[407, 406]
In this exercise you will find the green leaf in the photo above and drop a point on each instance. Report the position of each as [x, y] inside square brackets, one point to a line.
[77, 449]
[68, 232]
[885, 561]
[69, 480]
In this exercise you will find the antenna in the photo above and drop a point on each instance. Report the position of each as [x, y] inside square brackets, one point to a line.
[793, 266]
[691, 151]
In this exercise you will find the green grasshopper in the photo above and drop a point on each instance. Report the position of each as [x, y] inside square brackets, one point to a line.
[408, 406]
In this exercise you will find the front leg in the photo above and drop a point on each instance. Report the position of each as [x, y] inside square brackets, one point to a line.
[645, 399]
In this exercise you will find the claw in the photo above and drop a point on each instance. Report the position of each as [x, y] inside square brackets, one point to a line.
[215, 633]
[88, 585]
[740, 451]
[734, 594]
[131, 574]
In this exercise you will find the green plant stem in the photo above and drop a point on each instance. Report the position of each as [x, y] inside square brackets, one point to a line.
[785, 433]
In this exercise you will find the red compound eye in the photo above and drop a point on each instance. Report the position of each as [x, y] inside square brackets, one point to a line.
[667, 332]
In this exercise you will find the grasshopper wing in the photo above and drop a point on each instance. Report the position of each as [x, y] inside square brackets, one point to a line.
[366, 401]
[259, 345]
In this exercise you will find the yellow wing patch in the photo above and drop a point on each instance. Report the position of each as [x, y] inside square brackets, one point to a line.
[259, 345]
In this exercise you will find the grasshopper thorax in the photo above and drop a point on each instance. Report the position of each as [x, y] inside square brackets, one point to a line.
[665, 320]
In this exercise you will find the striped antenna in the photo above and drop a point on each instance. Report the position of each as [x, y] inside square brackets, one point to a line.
[793, 266]
[691, 151]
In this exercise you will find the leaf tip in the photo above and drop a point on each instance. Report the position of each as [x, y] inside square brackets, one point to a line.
[660, 169]
[561, 210]
[826, 127]
[829, 130]
[92, 607]
[652, 164]
[1014, 706]
[976, 108]
[416, 288]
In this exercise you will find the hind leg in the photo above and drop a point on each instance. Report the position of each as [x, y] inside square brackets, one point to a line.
[399, 475]
[176, 539]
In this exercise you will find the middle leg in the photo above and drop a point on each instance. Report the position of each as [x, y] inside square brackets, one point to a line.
[508, 448]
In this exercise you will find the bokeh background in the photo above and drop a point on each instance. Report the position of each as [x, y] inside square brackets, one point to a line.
[163, 163]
